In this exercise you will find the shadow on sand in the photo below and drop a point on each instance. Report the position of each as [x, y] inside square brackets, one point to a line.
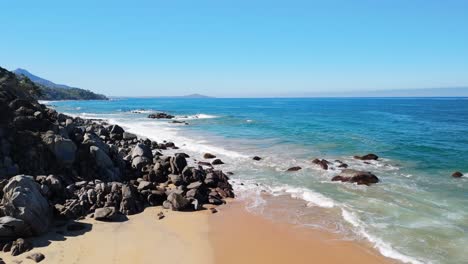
[64, 229]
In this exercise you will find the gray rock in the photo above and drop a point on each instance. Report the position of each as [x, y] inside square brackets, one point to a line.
[209, 156]
[144, 185]
[93, 140]
[63, 149]
[178, 163]
[142, 150]
[355, 176]
[55, 184]
[130, 203]
[129, 136]
[194, 185]
[217, 162]
[12, 228]
[105, 214]
[139, 162]
[23, 200]
[20, 246]
[175, 179]
[102, 159]
[177, 201]
[37, 257]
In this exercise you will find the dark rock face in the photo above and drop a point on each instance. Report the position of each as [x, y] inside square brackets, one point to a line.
[294, 169]
[257, 158]
[22, 199]
[457, 174]
[160, 116]
[355, 176]
[367, 157]
[11, 228]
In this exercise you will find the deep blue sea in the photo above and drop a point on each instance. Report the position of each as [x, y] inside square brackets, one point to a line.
[418, 213]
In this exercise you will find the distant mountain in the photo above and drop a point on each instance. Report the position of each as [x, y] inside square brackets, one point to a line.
[39, 80]
[53, 91]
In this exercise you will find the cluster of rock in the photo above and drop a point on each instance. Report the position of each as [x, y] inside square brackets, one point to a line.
[160, 116]
[345, 175]
[53, 166]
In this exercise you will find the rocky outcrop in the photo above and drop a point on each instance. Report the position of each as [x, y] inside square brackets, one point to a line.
[86, 167]
[355, 176]
[457, 174]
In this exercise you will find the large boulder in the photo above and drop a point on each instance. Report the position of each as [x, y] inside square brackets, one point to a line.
[116, 132]
[23, 200]
[63, 149]
[355, 176]
[139, 162]
[178, 163]
[142, 150]
[12, 228]
[104, 163]
[177, 201]
[105, 214]
[130, 203]
[457, 174]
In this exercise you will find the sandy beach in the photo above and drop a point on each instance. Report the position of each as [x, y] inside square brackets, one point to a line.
[232, 235]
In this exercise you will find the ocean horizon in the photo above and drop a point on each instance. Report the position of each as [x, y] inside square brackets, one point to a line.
[417, 213]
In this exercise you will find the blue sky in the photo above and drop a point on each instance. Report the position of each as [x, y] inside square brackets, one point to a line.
[238, 48]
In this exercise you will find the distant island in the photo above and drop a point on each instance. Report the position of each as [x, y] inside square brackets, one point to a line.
[52, 91]
[189, 96]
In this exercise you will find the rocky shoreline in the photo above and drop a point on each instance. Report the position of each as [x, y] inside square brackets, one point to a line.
[54, 167]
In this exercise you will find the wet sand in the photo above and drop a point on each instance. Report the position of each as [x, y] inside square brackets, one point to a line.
[232, 235]
[238, 236]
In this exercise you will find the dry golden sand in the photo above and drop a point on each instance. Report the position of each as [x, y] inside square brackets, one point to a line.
[230, 236]
[178, 238]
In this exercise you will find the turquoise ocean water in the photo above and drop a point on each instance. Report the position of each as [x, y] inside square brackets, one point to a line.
[418, 213]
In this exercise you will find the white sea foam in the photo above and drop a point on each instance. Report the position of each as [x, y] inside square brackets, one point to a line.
[313, 198]
[163, 131]
[383, 247]
[197, 116]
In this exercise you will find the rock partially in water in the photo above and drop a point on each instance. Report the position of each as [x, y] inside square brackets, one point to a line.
[457, 174]
[355, 176]
[209, 156]
[296, 168]
[367, 157]
[160, 116]
[322, 163]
